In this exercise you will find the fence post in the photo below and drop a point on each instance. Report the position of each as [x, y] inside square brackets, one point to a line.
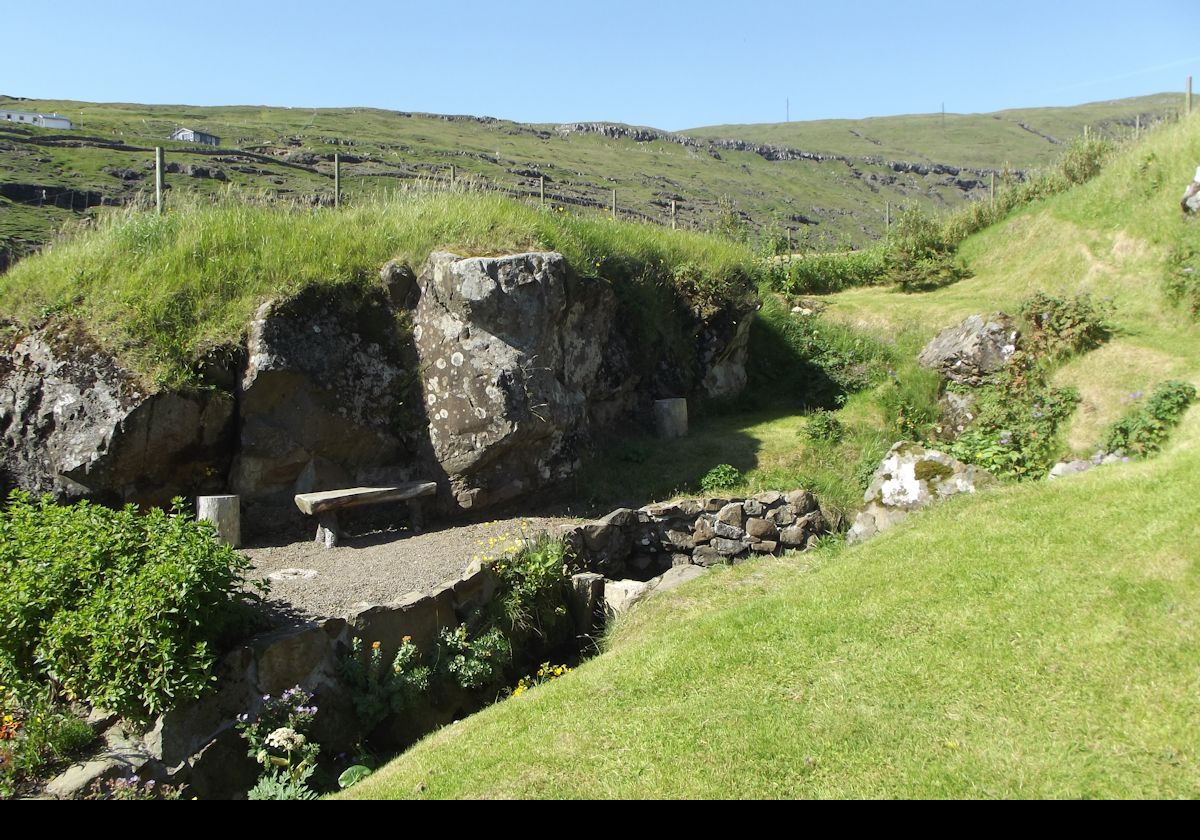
[887, 217]
[158, 180]
[614, 202]
[542, 190]
[1137, 126]
[993, 188]
[453, 174]
[337, 180]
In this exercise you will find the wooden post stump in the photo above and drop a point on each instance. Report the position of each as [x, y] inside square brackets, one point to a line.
[671, 418]
[225, 513]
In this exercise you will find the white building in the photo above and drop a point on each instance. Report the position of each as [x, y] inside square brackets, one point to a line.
[40, 120]
[192, 136]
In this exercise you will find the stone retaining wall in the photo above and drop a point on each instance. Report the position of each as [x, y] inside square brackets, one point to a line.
[648, 541]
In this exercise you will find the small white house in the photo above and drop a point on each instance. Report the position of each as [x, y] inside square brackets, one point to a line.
[189, 135]
[33, 118]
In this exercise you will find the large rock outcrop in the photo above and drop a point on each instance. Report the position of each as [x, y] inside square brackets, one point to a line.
[74, 422]
[974, 350]
[909, 478]
[512, 349]
[324, 400]
[488, 375]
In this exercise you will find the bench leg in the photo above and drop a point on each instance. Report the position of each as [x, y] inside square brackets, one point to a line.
[328, 532]
[414, 515]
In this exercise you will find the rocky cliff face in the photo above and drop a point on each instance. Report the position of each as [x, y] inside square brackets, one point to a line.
[74, 422]
[489, 375]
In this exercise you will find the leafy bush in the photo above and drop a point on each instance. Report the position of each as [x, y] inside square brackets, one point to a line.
[379, 691]
[823, 425]
[720, 477]
[823, 273]
[125, 610]
[473, 662]
[1060, 326]
[1015, 433]
[533, 582]
[1145, 429]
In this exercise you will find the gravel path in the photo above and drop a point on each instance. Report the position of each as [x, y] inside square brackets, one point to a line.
[310, 580]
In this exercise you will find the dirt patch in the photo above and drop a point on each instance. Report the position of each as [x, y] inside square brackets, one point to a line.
[308, 579]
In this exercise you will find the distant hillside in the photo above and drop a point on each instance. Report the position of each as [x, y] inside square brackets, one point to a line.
[1020, 138]
[831, 179]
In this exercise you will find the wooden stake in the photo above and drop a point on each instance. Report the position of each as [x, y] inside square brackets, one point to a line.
[158, 179]
[887, 215]
[337, 180]
[673, 214]
[614, 203]
[453, 174]
[542, 189]
[1137, 126]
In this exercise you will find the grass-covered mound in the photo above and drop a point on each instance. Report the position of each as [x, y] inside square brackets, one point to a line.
[161, 290]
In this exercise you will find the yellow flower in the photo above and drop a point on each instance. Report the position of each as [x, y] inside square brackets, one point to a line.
[375, 645]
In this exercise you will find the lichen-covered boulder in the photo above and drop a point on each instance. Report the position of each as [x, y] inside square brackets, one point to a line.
[511, 351]
[74, 422]
[974, 350]
[909, 478]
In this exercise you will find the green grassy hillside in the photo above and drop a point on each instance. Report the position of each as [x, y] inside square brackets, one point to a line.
[1034, 641]
[52, 178]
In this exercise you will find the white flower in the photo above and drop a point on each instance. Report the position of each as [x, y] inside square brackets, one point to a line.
[285, 738]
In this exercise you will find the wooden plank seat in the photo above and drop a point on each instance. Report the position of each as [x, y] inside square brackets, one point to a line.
[326, 504]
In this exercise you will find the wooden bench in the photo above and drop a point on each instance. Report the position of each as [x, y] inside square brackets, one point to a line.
[325, 505]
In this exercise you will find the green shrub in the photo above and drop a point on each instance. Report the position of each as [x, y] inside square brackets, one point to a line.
[720, 477]
[1015, 432]
[1145, 429]
[533, 584]
[824, 273]
[823, 426]
[1061, 326]
[473, 662]
[125, 610]
[380, 691]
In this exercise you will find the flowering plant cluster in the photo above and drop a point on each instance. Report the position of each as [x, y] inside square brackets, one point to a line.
[279, 741]
[132, 788]
[544, 674]
[378, 690]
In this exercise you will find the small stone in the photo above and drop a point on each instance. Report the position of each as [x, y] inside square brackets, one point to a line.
[689, 507]
[769, 498]
[761, 529]
[732, 514]
[753, 507]
[729, 548]
[813, 522]
[764, 547]
[783, 516]
[792, 537]
[705, 555]
[811, 542]
[703, 530]
[801, 502]
[679, 540]
[729, 532]
[713, 504]
[681, 559]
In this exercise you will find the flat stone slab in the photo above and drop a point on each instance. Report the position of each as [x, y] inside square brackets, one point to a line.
[331, 500]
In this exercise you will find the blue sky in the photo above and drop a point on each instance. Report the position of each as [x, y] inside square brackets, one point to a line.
[664, 63]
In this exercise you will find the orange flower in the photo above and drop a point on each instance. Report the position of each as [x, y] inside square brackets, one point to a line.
[374, 645]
